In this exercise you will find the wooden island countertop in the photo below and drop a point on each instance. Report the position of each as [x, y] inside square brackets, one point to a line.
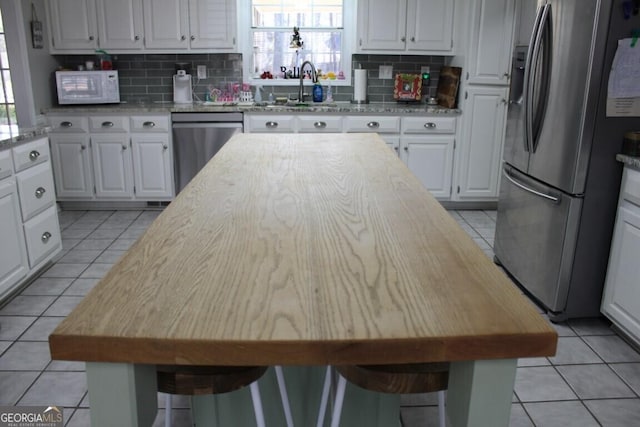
[303, 249]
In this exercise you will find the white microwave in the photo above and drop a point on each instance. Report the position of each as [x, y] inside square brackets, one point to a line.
[88, 87]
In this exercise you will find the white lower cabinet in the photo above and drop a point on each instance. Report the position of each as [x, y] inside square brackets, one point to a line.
[152, 166]
[13, 255]
[112, 157]
[430, 158]
[485, 111]
[112, 166]
[621, 298]
[29, 228]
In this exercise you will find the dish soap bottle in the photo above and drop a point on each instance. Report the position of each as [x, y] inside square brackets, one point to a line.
[257, 98]
[317, 92]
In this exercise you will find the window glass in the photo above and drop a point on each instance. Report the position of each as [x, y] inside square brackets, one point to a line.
[8, 122]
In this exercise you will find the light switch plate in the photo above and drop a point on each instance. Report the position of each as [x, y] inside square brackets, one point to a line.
[202, 71]
[385, 71]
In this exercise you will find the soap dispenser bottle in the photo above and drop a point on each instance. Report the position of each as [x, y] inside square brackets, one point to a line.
[258, 96]
[317, 92]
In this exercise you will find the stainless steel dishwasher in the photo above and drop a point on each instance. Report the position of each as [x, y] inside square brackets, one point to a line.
[197, 137]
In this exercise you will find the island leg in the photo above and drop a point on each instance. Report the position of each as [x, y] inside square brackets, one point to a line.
[122, 394]
[480, 392]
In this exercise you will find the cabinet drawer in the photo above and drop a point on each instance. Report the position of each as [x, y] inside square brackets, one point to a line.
[380, 124]
[318, 124]
[429, 125]
[35, 186]
[108, 124]
[6, 165]
[42, 235]
[69, 124]
[150, 124]
[271, 123]
[31, 154]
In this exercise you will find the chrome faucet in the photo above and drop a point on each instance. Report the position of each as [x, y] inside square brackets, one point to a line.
[314, 78]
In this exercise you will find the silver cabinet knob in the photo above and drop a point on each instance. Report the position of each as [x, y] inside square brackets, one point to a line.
[404, 39]
[90, 38]
[320, 125]
[373, 125]
[148, 124]
[45, 237]
[406, 148]
[183, 38]
[66, 124]
[83, 147]
[430, 125]
[271, 125]
[193, 37]
[107, 124]
[165, 146]
[124, 147]
[33, 156]
[413, 39]
[40, 192]
[136, 38]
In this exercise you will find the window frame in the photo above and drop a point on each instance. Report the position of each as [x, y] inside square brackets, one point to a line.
[246, 46]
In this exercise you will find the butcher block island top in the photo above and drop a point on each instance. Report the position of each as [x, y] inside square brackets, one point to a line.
[297, 249]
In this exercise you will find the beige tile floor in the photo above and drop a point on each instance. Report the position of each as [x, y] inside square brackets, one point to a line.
[594, 379]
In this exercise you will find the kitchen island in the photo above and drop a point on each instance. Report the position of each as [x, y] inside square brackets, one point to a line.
[303, 250]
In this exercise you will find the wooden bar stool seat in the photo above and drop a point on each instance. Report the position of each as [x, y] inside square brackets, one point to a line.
[199, 380]
[395, 379]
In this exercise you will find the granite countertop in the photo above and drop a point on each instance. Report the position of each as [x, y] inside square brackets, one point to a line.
[17, 136]
[631, 161]
[337, 107]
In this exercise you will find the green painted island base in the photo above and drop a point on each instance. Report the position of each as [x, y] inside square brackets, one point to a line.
[126, 395]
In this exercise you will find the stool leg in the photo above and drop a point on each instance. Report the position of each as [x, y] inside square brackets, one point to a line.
[167, 410]
[257, 404]
[441, 411]
[325, 397]
[283, 395]
[337, 407]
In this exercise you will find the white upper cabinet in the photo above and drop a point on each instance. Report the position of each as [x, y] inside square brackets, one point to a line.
[166, 24]
[212, 24]
[190, 24]
[72, 24]
[419, 26]
[120, 24]
[490, 43]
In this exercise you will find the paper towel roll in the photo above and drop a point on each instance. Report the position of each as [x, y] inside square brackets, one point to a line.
[359, 85]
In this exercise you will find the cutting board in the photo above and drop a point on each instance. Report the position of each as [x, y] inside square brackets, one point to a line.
[448, 83]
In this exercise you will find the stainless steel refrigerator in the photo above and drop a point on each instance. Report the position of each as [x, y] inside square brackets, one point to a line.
[560, 179]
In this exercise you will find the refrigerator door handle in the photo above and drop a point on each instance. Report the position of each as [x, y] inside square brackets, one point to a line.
[543, 82]
[532, 55]
[529, 190]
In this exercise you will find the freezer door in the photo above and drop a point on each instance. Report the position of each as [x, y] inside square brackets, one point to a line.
[560, 78]
[535, 239]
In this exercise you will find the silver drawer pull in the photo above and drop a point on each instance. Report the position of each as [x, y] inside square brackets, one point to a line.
[66, 124]
[148, 124]
[320, 125]
[40, 192]
[45, 237]
[373, 125]
[107, 124]
[430, 125]
[271, 125]
[33, 156]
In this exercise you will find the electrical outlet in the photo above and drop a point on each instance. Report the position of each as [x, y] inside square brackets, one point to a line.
[202, 71]
[425, 69]
[385, 71]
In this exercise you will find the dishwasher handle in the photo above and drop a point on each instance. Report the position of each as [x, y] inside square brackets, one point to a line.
[197, 125]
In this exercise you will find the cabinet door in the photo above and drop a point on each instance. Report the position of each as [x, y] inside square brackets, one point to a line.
[112, 166]
[71, 166]
[166, 24]
[430, 158]
[621, 301]
[120, 24]
[382, 24]
[490, 42]
[212, 24]
[13, 255]
[73, 24]
[152, 171]
[430, 25]
[485, 112]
